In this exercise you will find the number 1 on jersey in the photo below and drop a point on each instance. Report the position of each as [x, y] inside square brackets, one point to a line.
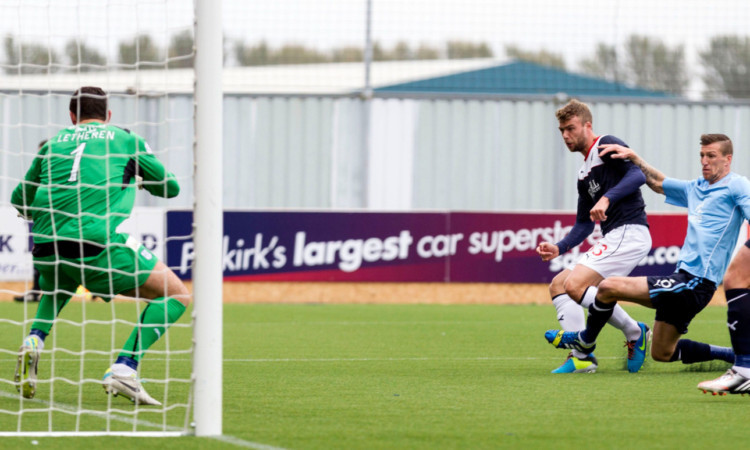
[77, 162]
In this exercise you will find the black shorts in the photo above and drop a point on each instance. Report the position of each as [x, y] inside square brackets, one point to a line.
[679, 297]
[747, 243]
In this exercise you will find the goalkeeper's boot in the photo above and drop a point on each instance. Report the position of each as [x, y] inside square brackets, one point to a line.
[573, 364]
[129, 386]
[637, 349]
[729, 383]
[26, 367]
[570, 340]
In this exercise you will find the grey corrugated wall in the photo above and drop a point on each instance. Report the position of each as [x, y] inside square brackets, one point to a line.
[388, 153]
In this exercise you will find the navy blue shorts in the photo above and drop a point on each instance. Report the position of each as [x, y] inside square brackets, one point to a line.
[679, 297]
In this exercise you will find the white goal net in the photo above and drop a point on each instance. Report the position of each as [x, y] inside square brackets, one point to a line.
[142, 54]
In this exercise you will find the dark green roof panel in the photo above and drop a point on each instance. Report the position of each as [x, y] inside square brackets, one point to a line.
[522, 78]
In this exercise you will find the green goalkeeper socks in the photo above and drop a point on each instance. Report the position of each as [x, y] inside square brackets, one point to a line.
[155, 319]
[47, 311]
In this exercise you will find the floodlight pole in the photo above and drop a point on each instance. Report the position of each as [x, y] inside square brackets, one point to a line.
[367, 91]
[366, 110]
[208, 220]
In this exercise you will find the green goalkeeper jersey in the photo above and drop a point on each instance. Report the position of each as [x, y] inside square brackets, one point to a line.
[81, 185]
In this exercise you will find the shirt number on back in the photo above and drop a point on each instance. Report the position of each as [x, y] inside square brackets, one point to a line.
[77, 162]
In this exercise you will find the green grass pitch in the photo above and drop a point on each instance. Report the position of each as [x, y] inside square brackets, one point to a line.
[388, 376]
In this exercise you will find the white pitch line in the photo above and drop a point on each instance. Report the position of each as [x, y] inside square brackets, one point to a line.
[243, 443]
[478, 358]
[414, 358]
[73, 409]
[132, 421]
[348, 323]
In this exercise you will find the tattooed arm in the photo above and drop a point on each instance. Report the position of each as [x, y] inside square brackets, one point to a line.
[654, 178]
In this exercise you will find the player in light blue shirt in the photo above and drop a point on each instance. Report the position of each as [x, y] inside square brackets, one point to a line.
[717, 203]
[715, 213]
[736, 380]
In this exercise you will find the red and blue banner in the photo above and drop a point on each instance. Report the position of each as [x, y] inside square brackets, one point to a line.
[404, 247]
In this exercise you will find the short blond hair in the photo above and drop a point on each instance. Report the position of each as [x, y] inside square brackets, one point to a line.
[574, 108]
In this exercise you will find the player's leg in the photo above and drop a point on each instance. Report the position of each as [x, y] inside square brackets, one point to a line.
[167, 299]
[677, 299]
[633, 289]
[630, 289]
[579, 286]
[162, 311]
[737, 287]
[58, 281]
[582, 285]
[616, 255]
[664, 341]
[58, 285]
[637, 334]
[667, 345]
[571, 317]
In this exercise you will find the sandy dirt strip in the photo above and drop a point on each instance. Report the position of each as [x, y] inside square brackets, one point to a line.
[376, 293]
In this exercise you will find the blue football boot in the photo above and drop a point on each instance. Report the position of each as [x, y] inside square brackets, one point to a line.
[568, 339]
[637, 349]
[588, 364]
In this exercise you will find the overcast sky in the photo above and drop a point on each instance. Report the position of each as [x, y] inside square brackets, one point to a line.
[571, 27]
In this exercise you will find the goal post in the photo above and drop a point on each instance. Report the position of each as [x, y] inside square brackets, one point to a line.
[208, 219]
[153, 91]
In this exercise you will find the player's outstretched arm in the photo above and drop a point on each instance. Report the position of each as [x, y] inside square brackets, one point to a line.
[654, 178]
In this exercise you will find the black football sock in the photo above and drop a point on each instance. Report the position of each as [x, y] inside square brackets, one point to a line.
[738, 321]
[599, 314]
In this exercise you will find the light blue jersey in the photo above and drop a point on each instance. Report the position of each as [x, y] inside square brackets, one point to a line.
[715, 214]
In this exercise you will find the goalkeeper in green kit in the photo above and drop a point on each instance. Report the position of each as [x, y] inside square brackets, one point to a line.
[79, 188]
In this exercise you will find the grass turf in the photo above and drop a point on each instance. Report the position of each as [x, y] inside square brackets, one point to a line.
[392, 376]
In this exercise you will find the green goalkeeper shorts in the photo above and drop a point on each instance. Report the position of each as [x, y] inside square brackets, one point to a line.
[122, 266]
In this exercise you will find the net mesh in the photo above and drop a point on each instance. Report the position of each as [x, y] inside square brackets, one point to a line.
[141, 53]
